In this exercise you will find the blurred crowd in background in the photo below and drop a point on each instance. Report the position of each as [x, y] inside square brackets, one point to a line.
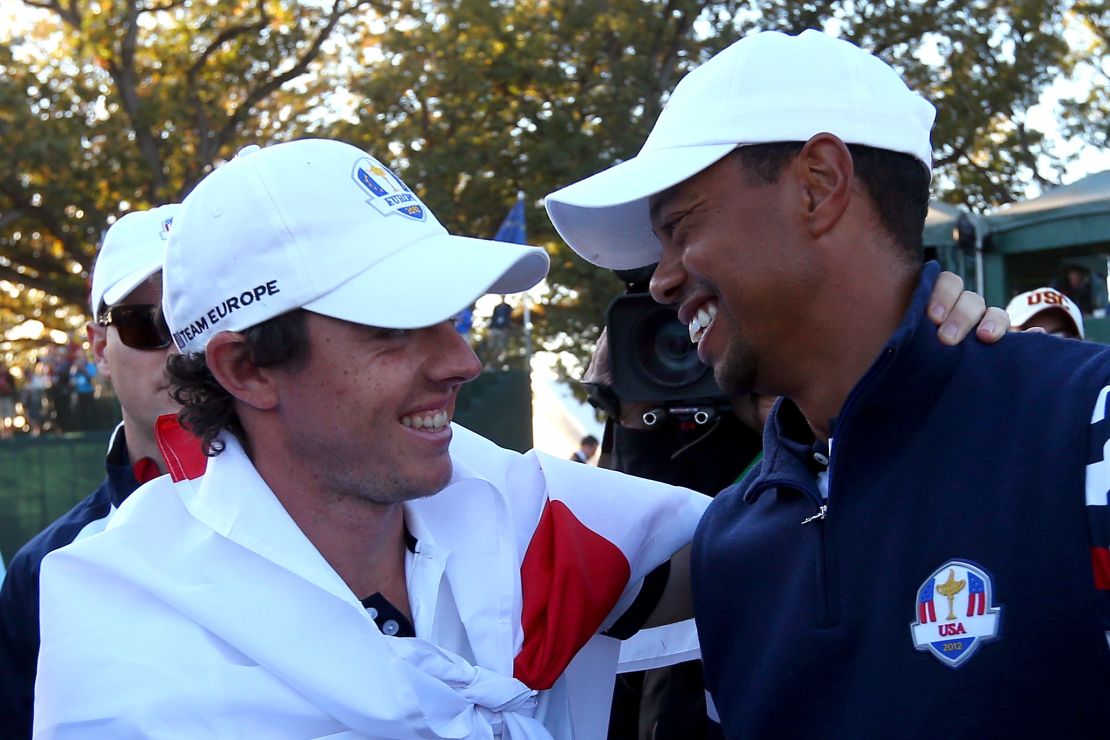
[55, 393]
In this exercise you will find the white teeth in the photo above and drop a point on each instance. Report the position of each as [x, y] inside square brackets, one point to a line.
[438, 420]
[694, 327]
[699, 324]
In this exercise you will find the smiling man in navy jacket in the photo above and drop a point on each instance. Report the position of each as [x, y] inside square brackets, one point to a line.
[924, 549]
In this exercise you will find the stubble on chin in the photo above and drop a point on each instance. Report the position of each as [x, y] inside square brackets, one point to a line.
[735, 372]
[392, 489]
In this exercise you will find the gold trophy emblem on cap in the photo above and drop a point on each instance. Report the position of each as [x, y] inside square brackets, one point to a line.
[949, 589]
[383, 174]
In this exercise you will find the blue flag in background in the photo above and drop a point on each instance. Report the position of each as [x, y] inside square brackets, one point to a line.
[512, 228]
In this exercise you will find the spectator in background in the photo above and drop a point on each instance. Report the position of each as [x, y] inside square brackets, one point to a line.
[497, 334]
[81, 374]
[586, 449]
[1075, 283]
[130, 342]
[1047, 309]
[7, 401]
[57, 395]
[35, 395]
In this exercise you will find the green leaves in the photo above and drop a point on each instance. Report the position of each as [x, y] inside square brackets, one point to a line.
[107, 107]
[110, 106]
[472, 101]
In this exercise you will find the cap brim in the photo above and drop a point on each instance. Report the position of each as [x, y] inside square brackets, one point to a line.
[431, 280]
[1023, 315]
[605, 217]
[122, 287]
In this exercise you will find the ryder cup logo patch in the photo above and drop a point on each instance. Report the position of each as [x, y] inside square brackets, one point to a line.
[165, 232]
[955, 613]
[387, 193]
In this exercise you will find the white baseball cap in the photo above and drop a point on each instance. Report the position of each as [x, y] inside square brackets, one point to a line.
[767, 87]
[132, 251]
[1027, 305]
[321, 225]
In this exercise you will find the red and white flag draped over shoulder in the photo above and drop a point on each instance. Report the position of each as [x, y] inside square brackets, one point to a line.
[203, 611]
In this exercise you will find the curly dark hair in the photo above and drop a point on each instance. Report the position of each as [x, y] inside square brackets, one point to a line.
[206, 408]
[897, 183]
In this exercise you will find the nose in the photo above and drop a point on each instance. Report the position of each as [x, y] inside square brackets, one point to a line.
[668, 278]
[453, 361]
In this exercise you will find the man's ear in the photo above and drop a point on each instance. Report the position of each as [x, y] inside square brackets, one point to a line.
[229, 360]
[98, 341]
[825, 171]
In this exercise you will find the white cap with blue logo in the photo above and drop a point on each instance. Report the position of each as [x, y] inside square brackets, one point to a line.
[321, 225]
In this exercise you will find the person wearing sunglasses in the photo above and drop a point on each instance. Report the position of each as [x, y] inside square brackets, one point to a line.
[129, 341]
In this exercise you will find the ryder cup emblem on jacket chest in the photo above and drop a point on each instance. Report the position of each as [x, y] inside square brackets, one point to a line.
[388, 194]
[955, 613]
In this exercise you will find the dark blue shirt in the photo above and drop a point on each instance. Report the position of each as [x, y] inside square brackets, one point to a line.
[945, 586]
[19, 595]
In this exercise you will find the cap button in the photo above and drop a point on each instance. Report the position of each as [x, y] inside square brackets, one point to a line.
[248, 149]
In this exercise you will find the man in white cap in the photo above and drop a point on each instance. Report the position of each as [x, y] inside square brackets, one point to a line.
[1047, 309]
[130, 343]
[348, 563]
[925, 547]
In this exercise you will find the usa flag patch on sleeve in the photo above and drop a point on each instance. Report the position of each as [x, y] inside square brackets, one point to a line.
[955, 613]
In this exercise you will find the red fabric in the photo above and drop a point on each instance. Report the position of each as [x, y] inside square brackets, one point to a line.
[145, 470]
[180, 449]
[571, 579]
[1100, 560]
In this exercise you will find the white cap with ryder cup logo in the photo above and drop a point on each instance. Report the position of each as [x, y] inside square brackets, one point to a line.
[767, 87]
[133, 250]
[321, 225]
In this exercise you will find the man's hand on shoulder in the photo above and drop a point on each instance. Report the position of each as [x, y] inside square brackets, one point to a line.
[955, 311]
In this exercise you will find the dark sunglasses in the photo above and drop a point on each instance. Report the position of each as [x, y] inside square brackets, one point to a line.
[140, 325]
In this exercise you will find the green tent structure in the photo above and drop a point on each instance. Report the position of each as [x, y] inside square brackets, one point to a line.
[1062, 234]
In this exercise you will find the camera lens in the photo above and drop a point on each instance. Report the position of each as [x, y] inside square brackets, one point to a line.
[663, 350]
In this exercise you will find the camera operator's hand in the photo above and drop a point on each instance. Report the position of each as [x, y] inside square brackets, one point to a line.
[956, 310]
[599, 383]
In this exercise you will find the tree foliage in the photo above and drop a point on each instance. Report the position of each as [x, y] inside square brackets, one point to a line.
[1088, 115]
[111, 105]
[108, 106]
[473, 101]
